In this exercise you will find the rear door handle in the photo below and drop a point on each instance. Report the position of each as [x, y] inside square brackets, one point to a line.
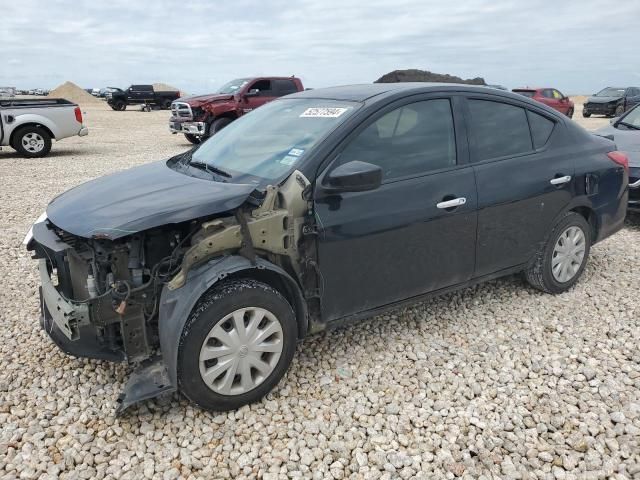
[560, 180]
[456, 202]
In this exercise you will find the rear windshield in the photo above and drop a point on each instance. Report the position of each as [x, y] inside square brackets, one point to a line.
[526, 93]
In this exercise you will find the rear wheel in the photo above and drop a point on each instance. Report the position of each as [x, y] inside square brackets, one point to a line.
[32, 141]
[236, 345]
[218, 124]
[561, 261]
[166, 104]
[193, 139]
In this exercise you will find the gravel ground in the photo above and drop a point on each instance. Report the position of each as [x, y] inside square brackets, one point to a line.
[495, 381]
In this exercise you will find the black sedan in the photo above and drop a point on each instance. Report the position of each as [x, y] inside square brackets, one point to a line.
[625, 132]
[319, 208]
[611, 101]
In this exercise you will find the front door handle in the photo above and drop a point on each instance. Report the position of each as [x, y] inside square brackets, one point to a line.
[456, 202]
[560, 180]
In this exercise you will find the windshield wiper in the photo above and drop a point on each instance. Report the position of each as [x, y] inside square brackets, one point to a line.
[210, 168]
[628, 125]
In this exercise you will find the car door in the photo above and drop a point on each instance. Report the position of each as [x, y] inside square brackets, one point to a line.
[416, 232]
[524, 183]
[563, 102]
[258, 93]
[632, 97]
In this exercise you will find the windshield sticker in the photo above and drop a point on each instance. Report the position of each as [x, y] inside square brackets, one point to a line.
[289, 160]
[323, 112]
[296, 152]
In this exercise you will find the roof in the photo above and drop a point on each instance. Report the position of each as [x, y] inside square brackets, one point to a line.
[363, 92]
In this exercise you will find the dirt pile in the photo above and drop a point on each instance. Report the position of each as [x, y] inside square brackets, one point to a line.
[415, 75]
[72, 92]
[163, 87]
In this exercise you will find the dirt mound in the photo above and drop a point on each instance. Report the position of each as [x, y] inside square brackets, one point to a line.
[163, 87]
[72, 92]
[579, 99]
[415, 75]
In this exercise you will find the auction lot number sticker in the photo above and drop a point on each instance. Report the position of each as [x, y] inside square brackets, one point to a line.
[323, 112]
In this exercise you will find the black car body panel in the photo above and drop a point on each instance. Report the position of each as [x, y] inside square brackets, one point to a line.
[336, 255]
[141, 198]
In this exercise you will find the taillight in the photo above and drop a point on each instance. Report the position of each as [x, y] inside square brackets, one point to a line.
[78, 113]
[620, 158]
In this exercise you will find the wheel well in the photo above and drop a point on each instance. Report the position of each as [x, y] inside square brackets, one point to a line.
[590, 217]
[32, 124]
[282, 285]
[231, 115]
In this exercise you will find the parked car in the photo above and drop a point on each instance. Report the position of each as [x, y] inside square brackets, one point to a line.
[625, 132]
[7, 92]
[30, 125]
[140, 95]
[199, 117]
[611, 101]
[107, 91]
[549, 96]
[317, 209]
[95, 92]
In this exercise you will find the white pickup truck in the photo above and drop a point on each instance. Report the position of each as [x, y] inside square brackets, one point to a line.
[29, 125]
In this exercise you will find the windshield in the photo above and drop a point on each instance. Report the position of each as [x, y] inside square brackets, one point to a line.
[610, 92]
[234, 85]
[271, 140]
[632, 118]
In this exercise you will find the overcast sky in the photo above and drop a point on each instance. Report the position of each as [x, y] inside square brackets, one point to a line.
[578, 46]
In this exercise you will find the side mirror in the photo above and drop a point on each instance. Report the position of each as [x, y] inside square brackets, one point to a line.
[354, 176]
[254, 92]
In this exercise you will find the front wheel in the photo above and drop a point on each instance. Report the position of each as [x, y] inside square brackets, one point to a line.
[570, 113]
[236, 345]
[619, 111]
[559, 264]
[193, 139]
[585, 114]
[218, 124]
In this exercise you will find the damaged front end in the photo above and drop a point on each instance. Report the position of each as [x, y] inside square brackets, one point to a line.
[101, 297]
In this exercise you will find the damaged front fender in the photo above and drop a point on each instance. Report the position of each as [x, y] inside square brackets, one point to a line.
[176, 305]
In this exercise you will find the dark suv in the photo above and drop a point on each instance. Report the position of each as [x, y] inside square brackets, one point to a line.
[316, 209]
[611, 101]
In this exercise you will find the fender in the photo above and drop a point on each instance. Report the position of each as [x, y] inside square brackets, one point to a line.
[177, 304]
[39, 119]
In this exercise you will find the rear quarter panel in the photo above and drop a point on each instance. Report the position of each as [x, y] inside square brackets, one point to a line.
[61, 121]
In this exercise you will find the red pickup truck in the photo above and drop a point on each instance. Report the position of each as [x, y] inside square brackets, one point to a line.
[201, 116]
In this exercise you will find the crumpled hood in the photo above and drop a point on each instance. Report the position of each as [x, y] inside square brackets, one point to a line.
[141, 198]
[199, 100]
[627, 141]
[602, 99]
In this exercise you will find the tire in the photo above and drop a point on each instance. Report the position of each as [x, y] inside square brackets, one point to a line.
[32, 141]
[570, 113]
[619, 111]
[225, 388]
[193, 139]
[166, 104]
[218, 124]
[539, 273]
[585, 114]
[120, 106]
[114, 108]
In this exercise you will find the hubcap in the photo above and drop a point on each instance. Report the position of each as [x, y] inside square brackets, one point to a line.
[241, 351]
[568, 254]
[33, 142]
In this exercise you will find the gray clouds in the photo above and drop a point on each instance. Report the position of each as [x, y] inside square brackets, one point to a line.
[577, 46]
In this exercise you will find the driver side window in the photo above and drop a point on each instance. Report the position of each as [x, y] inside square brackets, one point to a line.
[409, 141]
[263, 87]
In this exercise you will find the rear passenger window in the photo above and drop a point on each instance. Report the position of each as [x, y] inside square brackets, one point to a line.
[499, 129]
[285, 87]
[541, 128]
[408, 141]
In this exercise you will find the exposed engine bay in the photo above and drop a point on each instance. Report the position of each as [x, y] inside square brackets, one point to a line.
[101, 296]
